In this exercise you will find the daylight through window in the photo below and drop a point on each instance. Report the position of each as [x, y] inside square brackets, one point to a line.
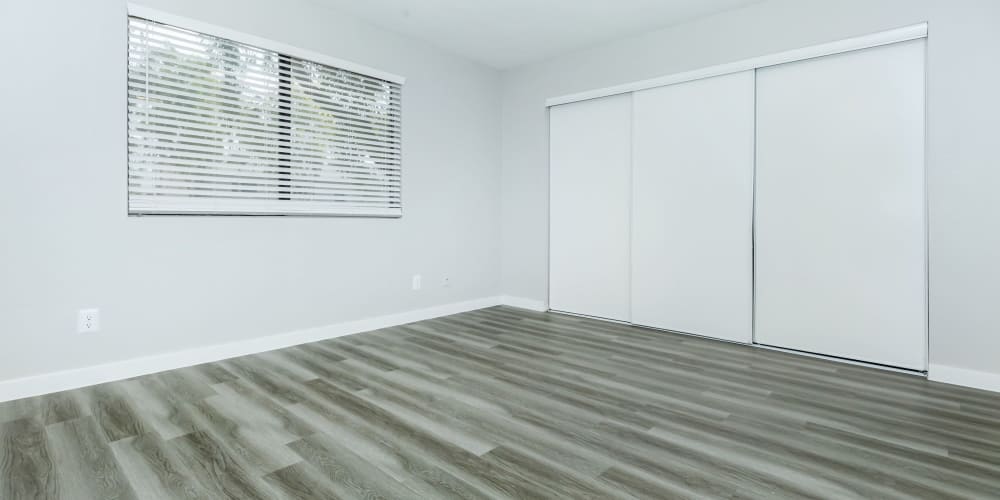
[221, 127]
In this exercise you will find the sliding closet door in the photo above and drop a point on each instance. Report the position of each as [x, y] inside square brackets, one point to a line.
[590, 200]
[692, 258]
[840, 232]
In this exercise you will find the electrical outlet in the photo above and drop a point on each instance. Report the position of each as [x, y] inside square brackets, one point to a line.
[446, 282]
[416, 282]
[88, 321]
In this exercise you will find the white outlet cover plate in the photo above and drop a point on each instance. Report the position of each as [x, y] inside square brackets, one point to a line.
[88, 321]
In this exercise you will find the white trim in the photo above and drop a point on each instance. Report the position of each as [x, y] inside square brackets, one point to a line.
[523, 303]
[81, 377]
[986, 381]
[861, 42]
[264, 43]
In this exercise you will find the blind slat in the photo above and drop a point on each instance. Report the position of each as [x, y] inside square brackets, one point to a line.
[341, 158]
[143, 112]
[196, 46]
[259, 76]
[213, 143]
[302, 182]
[195, 192]
[223, 86]
[304, 139]
[291, 191]
[154, 163]
[192, 98]
[312, 175]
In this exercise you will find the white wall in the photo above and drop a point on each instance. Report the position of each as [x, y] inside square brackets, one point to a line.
[963, 172]
[172, 283]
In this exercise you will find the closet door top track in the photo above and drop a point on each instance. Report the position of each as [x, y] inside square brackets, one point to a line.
[861, 42]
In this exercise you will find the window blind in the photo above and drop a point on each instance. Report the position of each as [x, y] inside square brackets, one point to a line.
[217, 126]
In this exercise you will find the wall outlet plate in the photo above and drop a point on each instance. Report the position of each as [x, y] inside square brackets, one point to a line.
[88, 320]
[416, 282]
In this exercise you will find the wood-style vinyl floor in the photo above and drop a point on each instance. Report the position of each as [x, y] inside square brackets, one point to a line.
[505, 403]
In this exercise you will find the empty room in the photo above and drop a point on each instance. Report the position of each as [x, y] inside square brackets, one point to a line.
[422, 249]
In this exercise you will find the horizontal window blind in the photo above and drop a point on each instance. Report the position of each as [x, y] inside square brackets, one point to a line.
[221, 127]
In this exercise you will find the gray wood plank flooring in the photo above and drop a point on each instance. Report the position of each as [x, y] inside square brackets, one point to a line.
[507, 403]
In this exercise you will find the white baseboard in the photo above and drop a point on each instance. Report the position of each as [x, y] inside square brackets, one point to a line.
[523, 303]
[81, 377]
[964, 377]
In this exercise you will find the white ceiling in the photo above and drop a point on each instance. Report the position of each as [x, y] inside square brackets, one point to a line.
[508, 33]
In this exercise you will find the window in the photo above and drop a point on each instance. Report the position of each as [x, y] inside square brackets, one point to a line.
[217, 126]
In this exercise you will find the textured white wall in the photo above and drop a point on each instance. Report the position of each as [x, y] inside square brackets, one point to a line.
[172, 283]
[963, 109]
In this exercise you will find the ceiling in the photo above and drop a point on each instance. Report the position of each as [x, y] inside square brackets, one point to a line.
[508, 33]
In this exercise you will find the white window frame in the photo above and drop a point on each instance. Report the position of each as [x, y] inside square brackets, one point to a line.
[155, 15]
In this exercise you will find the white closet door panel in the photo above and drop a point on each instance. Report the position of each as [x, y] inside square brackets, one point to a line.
[692, 258]
[590, 191]
[840, 215]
